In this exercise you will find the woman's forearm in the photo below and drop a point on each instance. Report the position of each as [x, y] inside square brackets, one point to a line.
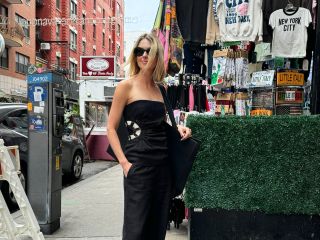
[116, 146]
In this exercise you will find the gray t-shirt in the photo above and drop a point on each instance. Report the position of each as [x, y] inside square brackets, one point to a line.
[290, 32]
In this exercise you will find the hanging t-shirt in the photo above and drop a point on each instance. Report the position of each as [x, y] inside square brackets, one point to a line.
[263, 51]
[240, 20]
[212, 26]
[192, 19]
[269, 6]
[290, 32]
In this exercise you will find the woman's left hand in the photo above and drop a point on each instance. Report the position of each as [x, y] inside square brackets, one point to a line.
[185, 132]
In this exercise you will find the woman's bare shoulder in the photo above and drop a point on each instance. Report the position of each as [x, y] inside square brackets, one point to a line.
[124, 86]
[127, 83]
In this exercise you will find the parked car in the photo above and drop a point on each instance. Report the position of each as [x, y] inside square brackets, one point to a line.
[14, 131]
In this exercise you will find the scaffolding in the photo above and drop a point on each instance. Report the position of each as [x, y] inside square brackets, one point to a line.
[9, 229]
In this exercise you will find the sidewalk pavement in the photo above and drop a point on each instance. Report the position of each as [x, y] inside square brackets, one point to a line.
[92, 209]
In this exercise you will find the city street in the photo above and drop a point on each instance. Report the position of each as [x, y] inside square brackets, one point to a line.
[92, 209]
[214, 102]
[90, 168]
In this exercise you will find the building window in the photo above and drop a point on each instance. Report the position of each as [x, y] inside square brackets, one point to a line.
[118, 10]
[73, 40]
[58, 30]
[103, 39]
[96, 114]
[94, 52]
[73, 71]
[4, 59]
[58, 4]
[3, 11]
[83, 48]
[104, 17]
[73, 9]
[24, 24]
[4, 14]
[58, 61]
[83, 22]
[110, 24]
[118, 50]
[22, 62]
[117, 70]
[110, 44]
[94, 31]
[118, 30]
[94, 4]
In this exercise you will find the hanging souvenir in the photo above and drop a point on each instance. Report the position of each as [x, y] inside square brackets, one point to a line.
[157, 28]
[167, 29]
[176, 43]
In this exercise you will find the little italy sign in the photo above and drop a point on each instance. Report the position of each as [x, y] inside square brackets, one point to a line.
[97, 67]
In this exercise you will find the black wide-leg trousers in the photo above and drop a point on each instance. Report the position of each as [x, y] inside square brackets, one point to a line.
[146, 202]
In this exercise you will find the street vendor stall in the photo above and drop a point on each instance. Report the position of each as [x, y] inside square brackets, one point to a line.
[244, 75]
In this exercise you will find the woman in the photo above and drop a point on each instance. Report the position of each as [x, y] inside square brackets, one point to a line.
[147, 179]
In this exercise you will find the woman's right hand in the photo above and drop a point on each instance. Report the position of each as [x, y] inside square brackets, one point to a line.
[126, 167]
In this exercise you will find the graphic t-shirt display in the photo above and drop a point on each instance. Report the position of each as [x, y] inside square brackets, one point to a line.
[240, 20]
[290, 32]
[269, 6]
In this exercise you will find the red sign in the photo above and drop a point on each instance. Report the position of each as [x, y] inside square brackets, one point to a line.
[97, 67]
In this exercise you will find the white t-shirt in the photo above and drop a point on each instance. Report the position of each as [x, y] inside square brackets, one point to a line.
[290, 32]
[240, 20]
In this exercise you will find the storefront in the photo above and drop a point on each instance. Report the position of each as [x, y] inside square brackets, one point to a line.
[95, 102]
[96, 89]
[13, 90]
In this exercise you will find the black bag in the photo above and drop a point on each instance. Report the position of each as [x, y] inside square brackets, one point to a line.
[181, 153]
[123, 135]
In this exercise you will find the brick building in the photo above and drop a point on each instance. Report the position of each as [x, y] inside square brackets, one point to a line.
[83, 28]
[20, 47]
[78, 28]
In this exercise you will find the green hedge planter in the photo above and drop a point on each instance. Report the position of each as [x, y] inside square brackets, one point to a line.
[261, 164]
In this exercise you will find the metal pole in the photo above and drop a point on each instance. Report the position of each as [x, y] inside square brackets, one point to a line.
[315, 90]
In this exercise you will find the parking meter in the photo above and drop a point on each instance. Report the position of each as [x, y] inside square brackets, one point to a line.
[46, 124]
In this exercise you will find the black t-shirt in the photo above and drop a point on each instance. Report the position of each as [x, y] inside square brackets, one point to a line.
[192, 19]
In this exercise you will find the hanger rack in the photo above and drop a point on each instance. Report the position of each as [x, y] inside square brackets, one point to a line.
[290, 7]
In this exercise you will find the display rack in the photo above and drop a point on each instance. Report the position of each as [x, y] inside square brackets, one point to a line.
[289, 96]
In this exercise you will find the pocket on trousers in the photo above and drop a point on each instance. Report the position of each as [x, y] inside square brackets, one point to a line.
[130, 171]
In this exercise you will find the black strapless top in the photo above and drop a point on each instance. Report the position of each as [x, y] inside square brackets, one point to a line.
[147, 144]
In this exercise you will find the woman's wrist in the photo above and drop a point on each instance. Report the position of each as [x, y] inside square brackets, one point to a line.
[123, 162]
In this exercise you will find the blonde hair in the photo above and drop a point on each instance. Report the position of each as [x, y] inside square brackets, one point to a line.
[156, 53]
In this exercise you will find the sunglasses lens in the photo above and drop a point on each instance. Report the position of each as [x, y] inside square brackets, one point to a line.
[140, 51]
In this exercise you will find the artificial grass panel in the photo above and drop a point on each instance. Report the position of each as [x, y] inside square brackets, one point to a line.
[269, 164]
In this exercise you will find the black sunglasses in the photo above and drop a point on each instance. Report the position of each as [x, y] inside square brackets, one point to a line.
[138, 51]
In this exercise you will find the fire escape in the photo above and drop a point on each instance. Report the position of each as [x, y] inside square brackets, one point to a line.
[65, 48]
[55, 50]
